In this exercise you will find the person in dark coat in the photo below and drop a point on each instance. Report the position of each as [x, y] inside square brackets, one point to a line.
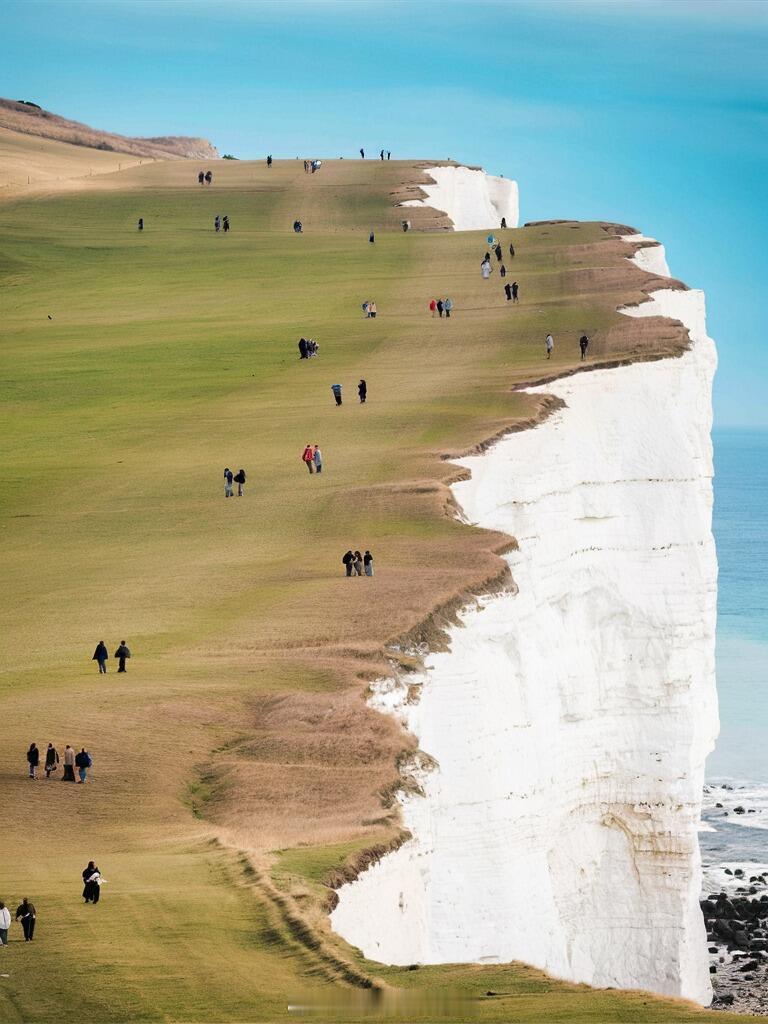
[503, 270]
[497, 250]
[201, 177]
[141, 223]
[208, 177]
[28, 915]
[225, 222]
[101, 654]
[336, 389]
[440, 308]
[302, 348]
[583, 345]
[51, 760]
[362, 154]
[368, 563]
[83, 762]
[503, 222]
[121, 654]
[514, 291]
[512, 251]
[508, 291]
[362, 390]
[33, 760]
[240, 481]
[269, 161]
[371, 238]
[347, 561]
[91, 887]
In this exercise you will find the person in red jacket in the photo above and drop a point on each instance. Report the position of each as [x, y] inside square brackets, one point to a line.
[432, 307]
[308, 456]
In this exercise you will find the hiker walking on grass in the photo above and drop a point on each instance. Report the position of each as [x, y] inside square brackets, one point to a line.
[141, 224]
[33, 760]
[229, 476]
[208, 177]
[550, 343]
[5, 923]
[27, 914]
[240, 481]
[91, 883]
[69, 765]
[368, 563]
[336, 389]
[497, 250]
[317, 458]
[583, 345]
[201, 178]
[225, 223]
[51, 760]
[512, 250]
[508, 291]
[485, 270]
[381, 154]
[357, 564]
[440, 308]
[269, 161]
[372, 310]
[362, 391]
[121, 654]
[432, 306]
[503, 222]
[514, 291]
[101, 655]
[302, 348]
[307, 457]
[371, 238]
[347, 562]
[362, 153]
[83, 762]
[503, 270]
[217, 222]
[448, 306]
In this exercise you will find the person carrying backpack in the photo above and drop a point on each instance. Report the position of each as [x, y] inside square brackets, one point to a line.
[308, 457]
[228, 478]
[121, 654]
[101, 655]
[240, 481]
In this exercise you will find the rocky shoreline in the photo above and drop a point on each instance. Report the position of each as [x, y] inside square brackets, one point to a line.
[735, 903]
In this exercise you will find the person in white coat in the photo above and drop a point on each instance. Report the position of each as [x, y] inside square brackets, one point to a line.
[550, 343]
[5, 923]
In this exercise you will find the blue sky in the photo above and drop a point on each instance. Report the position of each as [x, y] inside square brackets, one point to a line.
[653, 114]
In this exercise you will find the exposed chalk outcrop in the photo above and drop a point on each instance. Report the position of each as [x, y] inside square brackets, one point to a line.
[570, 721]
[471, 198]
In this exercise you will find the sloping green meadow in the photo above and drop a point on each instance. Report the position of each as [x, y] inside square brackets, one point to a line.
[135, 367]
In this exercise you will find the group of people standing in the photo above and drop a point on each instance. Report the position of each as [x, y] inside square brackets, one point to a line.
[362, 392]
[230, 479]
[25, 913]
[369, 310]
[308, 348]
[310, 166]
[101, 655]
[221, 223]
[205, 177]
[440, 306]
[357, 564]
[312, 457]
[82, 761]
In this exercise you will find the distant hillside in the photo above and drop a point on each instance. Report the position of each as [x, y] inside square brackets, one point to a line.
[22, 116]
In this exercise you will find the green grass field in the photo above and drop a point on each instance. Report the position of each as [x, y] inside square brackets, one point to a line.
[236, 764]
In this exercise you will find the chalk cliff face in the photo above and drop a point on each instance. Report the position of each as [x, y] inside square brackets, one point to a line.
[472, 199]
[571, 720]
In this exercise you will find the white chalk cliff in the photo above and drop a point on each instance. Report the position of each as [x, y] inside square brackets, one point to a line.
[570, 720]
[472, 199]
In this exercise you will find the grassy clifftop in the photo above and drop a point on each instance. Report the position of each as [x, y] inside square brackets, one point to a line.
[237, 767]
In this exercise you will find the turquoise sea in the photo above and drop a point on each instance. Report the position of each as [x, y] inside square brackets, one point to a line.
[736, 797]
